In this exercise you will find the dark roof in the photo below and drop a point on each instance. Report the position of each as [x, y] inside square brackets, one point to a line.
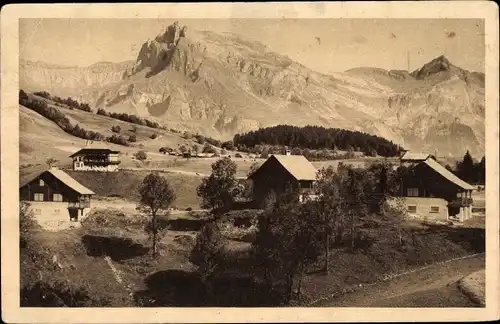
[94, 151]
[66, 179]
[448, 175]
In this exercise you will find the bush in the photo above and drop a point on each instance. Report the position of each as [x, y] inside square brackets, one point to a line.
[43, 94]
[209, 149]
[129, 118]
[153, 136]
[22, 95]
[116, 129]
[132, 138]
[141, 155]
[117, 139]
[59, 294]
[27, 224]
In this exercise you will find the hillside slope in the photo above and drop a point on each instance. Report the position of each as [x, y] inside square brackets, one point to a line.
[41, 138]
[222, 84]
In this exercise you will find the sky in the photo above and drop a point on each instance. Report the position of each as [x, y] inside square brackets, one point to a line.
[324, 45]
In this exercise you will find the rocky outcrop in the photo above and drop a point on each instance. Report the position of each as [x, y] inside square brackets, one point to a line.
[171, 50]
[53, 78]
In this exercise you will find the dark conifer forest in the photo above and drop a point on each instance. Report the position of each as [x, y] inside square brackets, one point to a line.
[317, 137]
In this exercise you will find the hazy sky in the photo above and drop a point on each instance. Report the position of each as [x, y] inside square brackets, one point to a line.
[343, 43]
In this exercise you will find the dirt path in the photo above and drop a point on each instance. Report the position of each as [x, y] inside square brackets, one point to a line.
[189, 173]
[432, 287]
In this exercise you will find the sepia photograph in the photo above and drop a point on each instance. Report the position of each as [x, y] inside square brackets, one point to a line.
[227, 162]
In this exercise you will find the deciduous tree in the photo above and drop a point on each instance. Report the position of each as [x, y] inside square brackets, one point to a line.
[156, 196]
[219, 189]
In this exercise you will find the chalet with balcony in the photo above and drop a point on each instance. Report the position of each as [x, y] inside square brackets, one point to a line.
[55, 194]
[432, 191]
[280, 171]
[96, 159]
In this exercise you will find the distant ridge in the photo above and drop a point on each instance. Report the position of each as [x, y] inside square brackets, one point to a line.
[220, 85]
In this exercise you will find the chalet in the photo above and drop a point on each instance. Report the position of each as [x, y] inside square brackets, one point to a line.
[415, 157]
[95, 159]
[55, 193]
[432, 191]
[280, 171]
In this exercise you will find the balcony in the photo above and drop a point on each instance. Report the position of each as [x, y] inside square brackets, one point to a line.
[99, 162]
[79, 204]
[461, 202]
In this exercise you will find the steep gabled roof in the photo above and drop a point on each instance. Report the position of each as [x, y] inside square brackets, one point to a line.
[415, 156]
[66, 179]
[94, 151]
[447, 174]
[297, 165]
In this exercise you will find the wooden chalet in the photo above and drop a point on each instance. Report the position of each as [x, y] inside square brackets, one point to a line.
[430, 190]
[55, 187]
[95, 159]
[280, 171]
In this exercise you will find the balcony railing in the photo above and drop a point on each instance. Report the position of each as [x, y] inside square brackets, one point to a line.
[461, 202]
[99, 162]
[79, 204]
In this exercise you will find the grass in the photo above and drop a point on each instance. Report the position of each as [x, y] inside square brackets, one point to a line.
[125, 184]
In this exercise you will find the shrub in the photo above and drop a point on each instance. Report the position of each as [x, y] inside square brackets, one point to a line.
[116, 129]
[27, 224]
[141, 155]
[129, 118]
[132, 138]
[153, 136]
[22, 95]
[59, 294]
[117, 139]
[209, 149]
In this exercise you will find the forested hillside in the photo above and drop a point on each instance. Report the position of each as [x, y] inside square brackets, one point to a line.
[317, 137]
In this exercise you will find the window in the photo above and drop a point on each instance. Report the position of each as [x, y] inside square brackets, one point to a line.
[41, 183]
[38, 196]
[434, 209]
[412, 209]
[57, 197]
[412, 192]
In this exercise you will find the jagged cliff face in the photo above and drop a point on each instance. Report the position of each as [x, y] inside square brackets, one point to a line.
[63, 79]
[221, 84]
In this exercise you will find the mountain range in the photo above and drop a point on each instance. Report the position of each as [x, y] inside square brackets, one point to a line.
[222, 84]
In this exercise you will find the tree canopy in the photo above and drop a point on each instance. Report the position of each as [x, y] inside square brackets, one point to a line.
[219, 190]
[317, 137]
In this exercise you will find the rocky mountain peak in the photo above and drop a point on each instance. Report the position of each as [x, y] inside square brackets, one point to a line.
[170, 50]
[437, 65]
